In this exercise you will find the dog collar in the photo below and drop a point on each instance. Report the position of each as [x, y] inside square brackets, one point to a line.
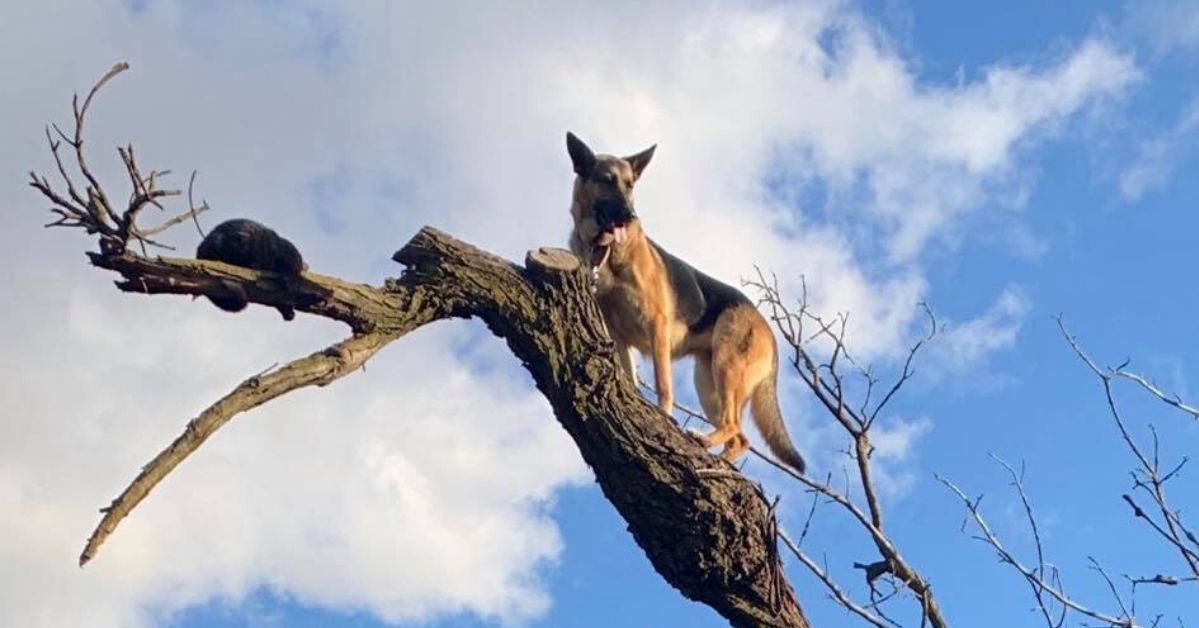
[595, 269]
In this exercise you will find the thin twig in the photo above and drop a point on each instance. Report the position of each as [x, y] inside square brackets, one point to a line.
[825, 380]
[1005, 556]
[1148, 477]
[835, 591]
[1038, 592]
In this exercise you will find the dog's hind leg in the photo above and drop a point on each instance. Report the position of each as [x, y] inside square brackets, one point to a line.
[705, 389]
[728, 383]
[710, 401]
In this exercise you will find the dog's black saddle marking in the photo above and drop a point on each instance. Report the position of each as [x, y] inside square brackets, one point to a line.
[699, 299]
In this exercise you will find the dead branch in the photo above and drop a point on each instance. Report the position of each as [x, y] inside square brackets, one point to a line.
[826, 379]
[1039, 585]
[318, 369]
[839, 595]
[192, 212]
[1045, 572]
[92, 210]
[821, 573]
[1149, 477]
[707, 530]
[1166, 398]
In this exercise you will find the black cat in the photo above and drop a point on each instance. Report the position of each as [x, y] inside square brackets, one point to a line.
[243, 242]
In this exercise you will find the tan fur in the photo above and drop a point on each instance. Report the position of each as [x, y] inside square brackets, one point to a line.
[736, 360]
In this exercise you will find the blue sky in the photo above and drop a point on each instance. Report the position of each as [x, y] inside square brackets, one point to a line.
[1005, 163]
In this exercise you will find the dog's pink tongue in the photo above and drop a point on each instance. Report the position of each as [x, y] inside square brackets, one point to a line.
[620, 234]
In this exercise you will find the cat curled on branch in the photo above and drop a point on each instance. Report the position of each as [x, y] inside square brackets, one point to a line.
[244, 242]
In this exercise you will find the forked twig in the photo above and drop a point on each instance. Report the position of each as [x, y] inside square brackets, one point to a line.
[1149, 477]
[825, 379]
[1039, 584]
[91, 209]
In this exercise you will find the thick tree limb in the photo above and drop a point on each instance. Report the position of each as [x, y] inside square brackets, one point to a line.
[711, 535]
[360, 306]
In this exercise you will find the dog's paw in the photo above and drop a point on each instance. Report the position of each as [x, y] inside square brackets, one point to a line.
[699, 437]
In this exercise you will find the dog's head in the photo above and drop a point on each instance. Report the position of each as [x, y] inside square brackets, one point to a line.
[602, 207]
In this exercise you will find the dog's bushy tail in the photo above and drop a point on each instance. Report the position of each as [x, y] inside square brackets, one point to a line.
[764, 406]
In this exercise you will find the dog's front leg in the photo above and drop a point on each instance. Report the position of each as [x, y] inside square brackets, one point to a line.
[663, 384]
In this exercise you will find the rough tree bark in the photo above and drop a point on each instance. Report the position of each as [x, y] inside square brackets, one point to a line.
[706, 529]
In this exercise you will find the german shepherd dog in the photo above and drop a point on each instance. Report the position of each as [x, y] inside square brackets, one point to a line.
[661, 306]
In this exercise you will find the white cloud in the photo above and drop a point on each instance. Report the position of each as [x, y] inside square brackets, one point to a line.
[1156, 156]
[894, 450]
[928, 154]
[962, 345]
[1163, 29]
[1164, 26]
[349, 127]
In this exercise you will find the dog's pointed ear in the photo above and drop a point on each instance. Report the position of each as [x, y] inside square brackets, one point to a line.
[581, 156]
[641, 160]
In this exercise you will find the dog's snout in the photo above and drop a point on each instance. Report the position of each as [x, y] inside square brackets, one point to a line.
[610, 212]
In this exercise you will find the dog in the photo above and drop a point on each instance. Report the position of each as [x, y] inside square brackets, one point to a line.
[664, 308]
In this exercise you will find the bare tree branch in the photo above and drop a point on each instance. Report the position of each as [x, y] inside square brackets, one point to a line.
[1124, 608]
[1169, 399]
[825, 379]
[92, 209]
[835, 591]
[1148, 477]
[1164, 579]
[1038, 584]
[318, 369]
[1045, 573]
[94, 189]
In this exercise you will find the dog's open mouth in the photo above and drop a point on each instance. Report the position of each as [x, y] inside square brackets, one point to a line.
[613, 233]
[602, 245]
